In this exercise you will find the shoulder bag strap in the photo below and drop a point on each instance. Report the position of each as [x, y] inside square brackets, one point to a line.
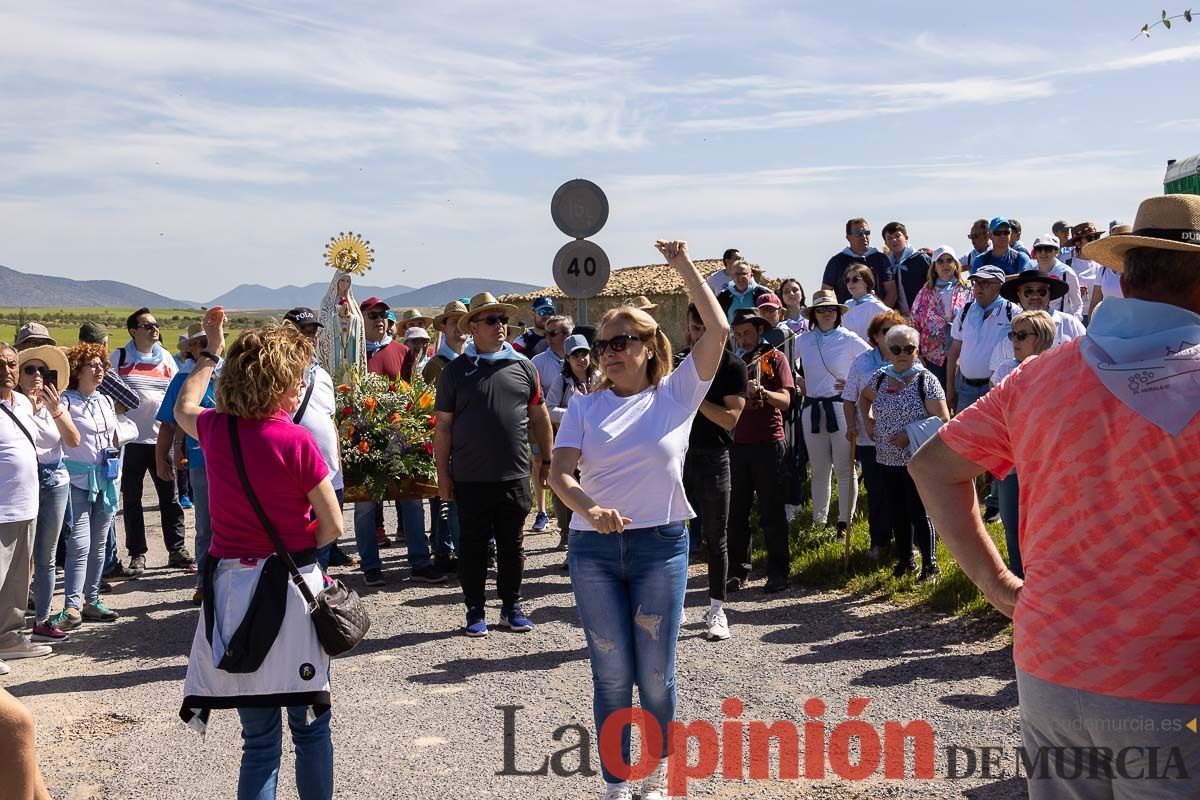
[299, 415]
[283, 554]
[24, 430]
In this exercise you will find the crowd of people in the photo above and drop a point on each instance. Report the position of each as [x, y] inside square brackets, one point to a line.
[641, 454]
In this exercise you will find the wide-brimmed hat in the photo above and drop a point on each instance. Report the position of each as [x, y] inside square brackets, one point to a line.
[481, 304]
[1167, 222]
[1120, 230]
[33, 330]
[1084, 229]
[195, 331]
[414, 315]
[54, 358]
[1011, 290]
[453, 307]
[743, 315]
[823, 298]
[641, 302]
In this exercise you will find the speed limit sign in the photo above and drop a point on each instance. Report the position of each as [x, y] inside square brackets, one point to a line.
[581, 269]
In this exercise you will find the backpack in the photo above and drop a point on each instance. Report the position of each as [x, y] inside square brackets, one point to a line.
[1008, 307]
[920, 384]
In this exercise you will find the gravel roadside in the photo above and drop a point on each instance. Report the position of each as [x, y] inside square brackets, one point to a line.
[415, 706]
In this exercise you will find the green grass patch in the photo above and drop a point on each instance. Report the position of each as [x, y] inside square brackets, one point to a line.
[64, 323]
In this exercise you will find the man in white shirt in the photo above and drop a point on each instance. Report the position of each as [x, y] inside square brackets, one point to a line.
[18, 511]
[977, 328]
[549, 365]
[1036, 292]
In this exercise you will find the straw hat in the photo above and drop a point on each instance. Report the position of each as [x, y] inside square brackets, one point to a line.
[1120, 230]
[481, 304]
[54, 359]
[1011, 290]
[641, 302]
[1167, 222]
[452, 308]
[414, 315]
[823, 299]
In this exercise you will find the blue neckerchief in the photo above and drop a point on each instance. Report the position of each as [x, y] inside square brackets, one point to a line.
[1130, 330]
[1059, 270]
[876, 359]
[852, 254]
[740, 353]
[750, 287]
[866, 298]
[890, 371]
[898, 261]
[505, 353]
[375, 347]
[984, 313]
[155, 356]
[940, 284]
[445, 352]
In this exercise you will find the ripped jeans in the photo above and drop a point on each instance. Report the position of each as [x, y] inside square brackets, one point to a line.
[629, 591]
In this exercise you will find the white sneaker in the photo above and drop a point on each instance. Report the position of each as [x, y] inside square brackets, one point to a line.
[4, 668]
[717, 625]
[618, 792]
[790, 511]
[655, 786]
[26, 649]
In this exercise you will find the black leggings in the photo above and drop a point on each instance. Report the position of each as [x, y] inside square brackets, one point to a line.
[907, 515]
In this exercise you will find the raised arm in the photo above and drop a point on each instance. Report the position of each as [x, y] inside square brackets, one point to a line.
[706, 351]
[187, 407]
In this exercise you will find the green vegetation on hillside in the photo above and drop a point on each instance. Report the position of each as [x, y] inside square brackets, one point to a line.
[64, 322]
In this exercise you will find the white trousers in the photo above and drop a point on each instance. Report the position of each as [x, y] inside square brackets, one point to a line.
[830, 453]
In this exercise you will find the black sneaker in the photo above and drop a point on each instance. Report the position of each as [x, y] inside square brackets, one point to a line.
[903, 568]
[119, 572]
[775, 585]
[991, 515]
[137, 565]
[446, 564]
[930, 574]
[733, 585]
[105, 587]
[428, 574]
[374, 577]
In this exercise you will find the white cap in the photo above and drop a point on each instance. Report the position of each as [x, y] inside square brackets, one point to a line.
[415, 333]
[944, 250]
[1046, 240]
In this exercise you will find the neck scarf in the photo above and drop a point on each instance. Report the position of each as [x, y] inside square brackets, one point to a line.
[890, 370]
[852, 254]
[445, 351]
[505, 353]
[942, 285]
[750, 287]
[898, 261]
[876, 358]
[1148, 356]
[825, 334]
[985, 312]
[375, 347]
[866, 298]
[155, 356]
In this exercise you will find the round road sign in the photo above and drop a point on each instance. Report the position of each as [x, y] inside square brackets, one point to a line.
[579, 208]
[581, 269]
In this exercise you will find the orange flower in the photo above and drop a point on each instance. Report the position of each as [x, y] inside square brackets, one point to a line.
[349, 431]
[370, 403]
[363, 447]
[395, 417]
[343, 388]
[425, 400]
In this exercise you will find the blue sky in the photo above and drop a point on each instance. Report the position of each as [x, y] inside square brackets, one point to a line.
[189, 147]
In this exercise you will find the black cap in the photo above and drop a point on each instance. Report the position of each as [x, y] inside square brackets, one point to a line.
[302, 316]
[743, 315]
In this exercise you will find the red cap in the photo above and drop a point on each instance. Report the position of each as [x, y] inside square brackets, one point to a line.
[371, 302]
[768, 299]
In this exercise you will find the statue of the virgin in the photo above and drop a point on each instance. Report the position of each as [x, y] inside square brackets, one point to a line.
[341, 346]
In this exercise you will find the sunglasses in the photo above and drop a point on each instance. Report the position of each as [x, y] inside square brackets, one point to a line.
[1044, 248]
[861, 232]
[376, 315]
[1091, 237]
[907, 349]
[1002, 233]
[555, 334]
[149, 326]
[1036, 291]
[1019, 336]
[617, 344]
[30, 369]
[492, 319]
[825, 310]
[545, 312]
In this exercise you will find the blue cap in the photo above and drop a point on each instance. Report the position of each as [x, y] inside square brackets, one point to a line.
[576, 342]
[391, 315]
[997, 222]
[543, 303]
[988, 273]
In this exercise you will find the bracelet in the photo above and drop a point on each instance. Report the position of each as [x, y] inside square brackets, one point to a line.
[59, 414]
[691, 288]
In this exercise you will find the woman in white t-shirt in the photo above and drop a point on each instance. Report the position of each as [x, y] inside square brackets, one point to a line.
[863, 305]
[825, 354]
[628, 547]
[43, 373]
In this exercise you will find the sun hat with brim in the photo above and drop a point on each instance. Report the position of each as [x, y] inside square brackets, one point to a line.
[575, 343]
[1011, 290]
[1167, 222]
[35, 331]
[54, 359]
[416, 332]
[414, 315]
[744, 315]
[823, 299]
[481, 304]
[452, 308]
[988, 273]
[1084, 229]
[1120, 230]
[641, 302]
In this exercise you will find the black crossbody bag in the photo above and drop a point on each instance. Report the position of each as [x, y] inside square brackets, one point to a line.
[337, 611]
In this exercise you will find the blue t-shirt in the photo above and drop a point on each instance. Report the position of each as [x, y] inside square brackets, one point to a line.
[166, 413]
[1012, 262]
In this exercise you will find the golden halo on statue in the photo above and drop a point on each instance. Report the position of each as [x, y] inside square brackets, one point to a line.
[349, 252]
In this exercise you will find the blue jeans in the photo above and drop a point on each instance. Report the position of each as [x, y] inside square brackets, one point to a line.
[629, 590]
[262, 744]
[445, 532]
[199, 484]
[1009, 493]
[324, 552]
[110, 547]
[85, 548]
[967, 394]
[52, 510]
[412, 517]
[364, 537]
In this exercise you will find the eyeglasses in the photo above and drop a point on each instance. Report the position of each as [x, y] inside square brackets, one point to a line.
[149, 326]
[30, 369]
[854, 279]
[907, 349]
[1044, 248]
[377, 315]
[861, 232]
[825, 310]
[1036, 291]
[94, 365]
[1019, 336]
[617, 344]
[492, 319]
[555, 334]
[1001, 233]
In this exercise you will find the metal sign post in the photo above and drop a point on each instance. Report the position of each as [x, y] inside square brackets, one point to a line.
[581, 267]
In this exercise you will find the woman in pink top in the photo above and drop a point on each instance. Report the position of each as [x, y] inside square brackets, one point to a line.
[259, 386]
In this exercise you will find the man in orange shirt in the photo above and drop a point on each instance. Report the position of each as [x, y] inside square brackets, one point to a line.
[1106, 624]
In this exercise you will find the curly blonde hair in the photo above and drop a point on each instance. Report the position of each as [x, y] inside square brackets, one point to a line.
[81, 354]
[652, 337]
[261, 366]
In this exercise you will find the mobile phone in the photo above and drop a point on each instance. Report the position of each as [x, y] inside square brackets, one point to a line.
[52, 376]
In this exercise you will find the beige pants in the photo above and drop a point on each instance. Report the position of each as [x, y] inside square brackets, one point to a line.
[16, 550]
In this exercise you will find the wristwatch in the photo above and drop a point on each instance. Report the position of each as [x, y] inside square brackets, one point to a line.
[215, 358]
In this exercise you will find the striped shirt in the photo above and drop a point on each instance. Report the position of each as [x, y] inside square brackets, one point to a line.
[149, 382]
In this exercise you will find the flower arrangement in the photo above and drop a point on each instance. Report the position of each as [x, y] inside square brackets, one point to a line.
[386, 431]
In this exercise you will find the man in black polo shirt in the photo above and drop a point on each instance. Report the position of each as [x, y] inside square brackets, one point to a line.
[706, 471]
[859, 251]
[487, 400]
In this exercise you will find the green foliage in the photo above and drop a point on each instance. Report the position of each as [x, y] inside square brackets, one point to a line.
[1165, 21]
[386, 431]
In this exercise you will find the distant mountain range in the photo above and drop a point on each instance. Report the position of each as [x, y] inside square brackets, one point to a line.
[253, 295]
[439, 294]
[47, 291]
